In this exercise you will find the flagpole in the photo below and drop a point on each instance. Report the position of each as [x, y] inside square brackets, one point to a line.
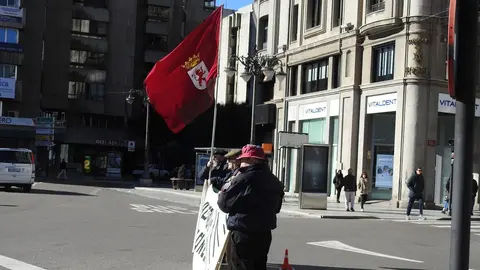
[215, 107]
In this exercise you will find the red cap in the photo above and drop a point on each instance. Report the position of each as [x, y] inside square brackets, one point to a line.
[252, 151]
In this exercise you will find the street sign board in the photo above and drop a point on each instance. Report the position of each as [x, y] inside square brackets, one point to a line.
[44, 143]
[45, 120]
[45, 131]
[44, 137]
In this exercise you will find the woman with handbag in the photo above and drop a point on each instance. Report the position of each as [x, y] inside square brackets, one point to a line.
[363, 188]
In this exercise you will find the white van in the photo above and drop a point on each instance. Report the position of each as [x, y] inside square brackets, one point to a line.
[17, 168]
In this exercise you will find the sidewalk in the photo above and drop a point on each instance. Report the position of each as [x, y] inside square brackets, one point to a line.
[373, 209]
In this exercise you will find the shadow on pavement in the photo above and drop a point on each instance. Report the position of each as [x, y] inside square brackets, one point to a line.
[396, 268]
[50, 192]
[92, 183]
[312, 267]
[8, 205]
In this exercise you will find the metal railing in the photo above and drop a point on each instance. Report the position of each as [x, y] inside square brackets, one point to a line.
[377, 7]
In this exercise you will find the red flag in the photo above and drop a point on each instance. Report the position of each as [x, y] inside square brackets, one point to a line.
[181, 85]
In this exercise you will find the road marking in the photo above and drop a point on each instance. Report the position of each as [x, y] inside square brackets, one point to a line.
[162, 209]
[13, 264]
[341, 246]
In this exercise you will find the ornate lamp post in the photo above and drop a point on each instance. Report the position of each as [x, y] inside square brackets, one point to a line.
[256, 64]
[132, 94]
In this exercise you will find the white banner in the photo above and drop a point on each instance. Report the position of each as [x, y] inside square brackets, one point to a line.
[211, 233]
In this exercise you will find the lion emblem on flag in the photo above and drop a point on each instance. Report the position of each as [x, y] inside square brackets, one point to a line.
[197, 71]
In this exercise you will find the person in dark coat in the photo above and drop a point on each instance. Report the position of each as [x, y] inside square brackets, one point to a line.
[474, 193]
[415, 185]
[217, 163]
[337, 181]
[349, 184]
[252, 199]
[232, 168]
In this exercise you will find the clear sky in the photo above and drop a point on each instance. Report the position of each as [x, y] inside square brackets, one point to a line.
[234, 4]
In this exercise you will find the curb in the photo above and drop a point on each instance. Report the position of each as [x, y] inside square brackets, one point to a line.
[199, 196]
[475, 218]
[348, 217]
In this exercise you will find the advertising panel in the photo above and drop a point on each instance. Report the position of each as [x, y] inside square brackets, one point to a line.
[7, 88]
[315, 168]
[201, 161]
[384, 171]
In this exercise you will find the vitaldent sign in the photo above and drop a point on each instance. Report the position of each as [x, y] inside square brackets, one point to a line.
[446, 104]
[382, 103]
[11, 11]
[312, 111]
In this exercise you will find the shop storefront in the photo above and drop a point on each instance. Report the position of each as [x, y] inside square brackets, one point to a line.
[446, 132]
[320, 121]
[380, 151]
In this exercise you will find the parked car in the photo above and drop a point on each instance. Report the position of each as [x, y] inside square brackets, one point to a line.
[17, 168]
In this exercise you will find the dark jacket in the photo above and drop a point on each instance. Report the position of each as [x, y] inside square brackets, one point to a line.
[252, 200]
[218, 182]
[349, 183]
[337, 181]
[415, 185]
[474, 188]
[220, 170]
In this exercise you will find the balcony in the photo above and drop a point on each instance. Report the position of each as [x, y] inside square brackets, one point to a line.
[152, 56]
[380, 17]
[87, 75]
[155, 27]
[91, 13]
[84, 106]
[88, 44]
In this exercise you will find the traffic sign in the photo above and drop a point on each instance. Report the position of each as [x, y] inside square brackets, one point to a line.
[44, 143]
[45, 131]
[44, 137]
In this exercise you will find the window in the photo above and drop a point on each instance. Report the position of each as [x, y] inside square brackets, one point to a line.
[263, 35]
[10, 3]
[210, 4]
[84, 58]
[293, 80]
[294, 33]
[8, 71]
[156, 42]
[337, 13]
[89, 28]
[336, 71]
[86, 91]
[383, 63]
[19, 157]
[315, 77]
[12, 114]
[8, 35]
[91, 3]
[102, 121]
[314, 13]
[376, 5]
[230, 90]
[158, 13]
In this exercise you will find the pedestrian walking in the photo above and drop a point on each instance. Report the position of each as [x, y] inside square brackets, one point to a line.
[337, 181]
[446, 200]
[415, 185]
[63, 170]
[474, 193]
[252, 199]
[217, 163]
[363, 187]
[350, 188]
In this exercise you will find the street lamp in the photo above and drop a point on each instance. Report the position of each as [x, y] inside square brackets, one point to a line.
[145, 179]
[256, 64]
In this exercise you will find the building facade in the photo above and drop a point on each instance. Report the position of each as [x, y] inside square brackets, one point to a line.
[75, 60]
[370, 82]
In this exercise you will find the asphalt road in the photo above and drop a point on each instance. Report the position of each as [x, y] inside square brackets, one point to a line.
[77, 227]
